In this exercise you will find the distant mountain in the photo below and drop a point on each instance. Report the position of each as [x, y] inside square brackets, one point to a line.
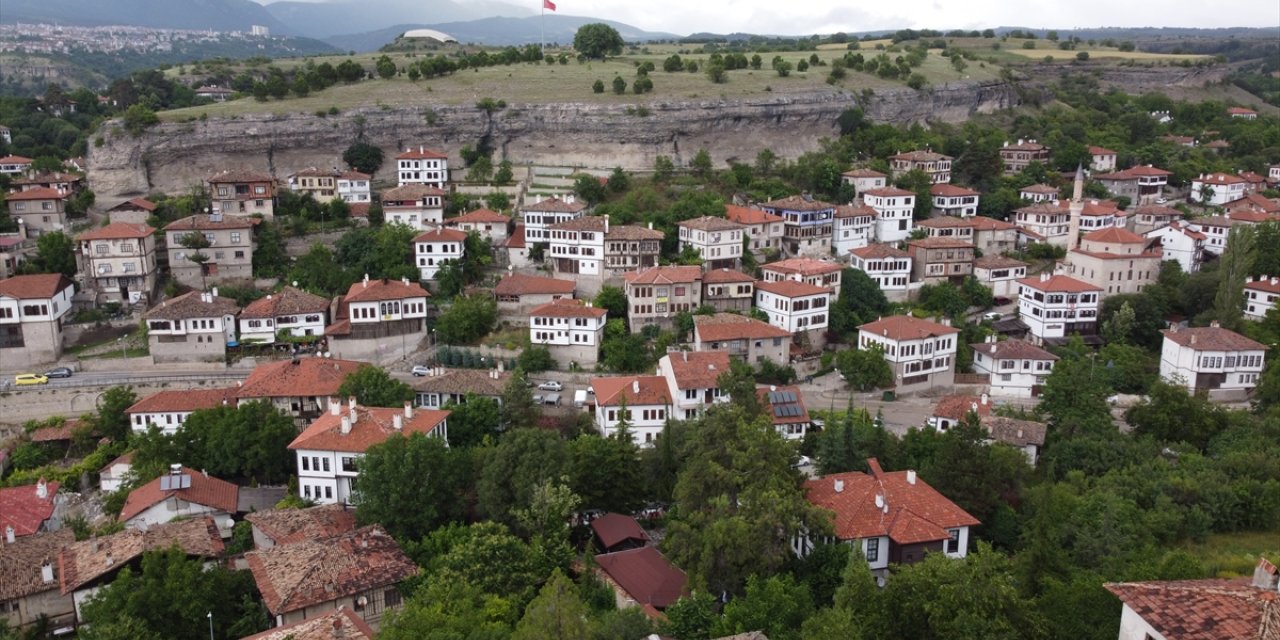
[218, 15]
[498, 31]
[326, 19]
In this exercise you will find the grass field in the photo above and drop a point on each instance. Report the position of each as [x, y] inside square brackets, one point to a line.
[1230, 555]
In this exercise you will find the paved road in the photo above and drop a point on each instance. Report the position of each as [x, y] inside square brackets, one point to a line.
[109, 378]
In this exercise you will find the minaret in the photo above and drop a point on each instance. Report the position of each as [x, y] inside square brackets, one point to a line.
[1077, 206]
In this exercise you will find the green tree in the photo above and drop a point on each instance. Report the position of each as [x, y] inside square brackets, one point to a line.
[588, 187]
[598, 86]
[606, 472]
[197, 242]
[449, 609]
[701, 164]
[138, 118]
[473, 420]
[557, 612]
[246, 441]
[597, 40]
[504, 175]
[691, 617]
[613, 300]
[663, 167]
[317, 271]
[385, 67]
[487, 556]
[376, 216]
[864, 369]
[778, 605]
[374, 387]
[269, 258]
[717, 73]
[412, 485]
[1170, 414]
[1235, 264]
[110, 420]
[363, 157]
[55, 253]
[536, 359]
[860, 301]
[511, 470]
[467, 320]
[518, 409]
[619, 85]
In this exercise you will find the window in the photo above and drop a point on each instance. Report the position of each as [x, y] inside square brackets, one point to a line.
[328, 493]
[235, 237]
[953, 543]
[873, 549]
[326, 463]
[391, 598]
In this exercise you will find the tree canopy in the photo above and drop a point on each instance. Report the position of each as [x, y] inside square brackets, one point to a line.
[597, 40]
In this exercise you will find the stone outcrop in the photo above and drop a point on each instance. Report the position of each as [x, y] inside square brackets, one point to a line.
[173, 157]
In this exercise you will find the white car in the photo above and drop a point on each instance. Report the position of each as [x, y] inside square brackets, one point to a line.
[551, 385]
[420, 370]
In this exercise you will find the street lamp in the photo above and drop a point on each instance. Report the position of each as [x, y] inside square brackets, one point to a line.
[120, 341]
[210, 616]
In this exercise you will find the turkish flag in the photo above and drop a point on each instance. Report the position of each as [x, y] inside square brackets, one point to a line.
[548, 4]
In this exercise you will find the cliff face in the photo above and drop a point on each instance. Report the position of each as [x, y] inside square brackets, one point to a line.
[173, 157]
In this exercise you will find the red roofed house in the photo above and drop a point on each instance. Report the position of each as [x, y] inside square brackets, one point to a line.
[742, 337]
[420, 206]
[657, 294]
[489, 224]
[888, 266]
[168, 409]
[1211, 359]
[321, 184]
[1055, 307]
[717, 240]
[12, 164]
[340, 624]
[68, 183]
[864, 179]
[920, 353]
[571, 329]
[642, 577]
[1115, 260]
[799, 307]
[1260, 295]
[193, 327]
[855, 227]
[935, 165]
[353, 187]
[728, 290]
[290, 310]
[32, 308]
[1018, 369]
[300, 387]
[1241, 112]
[895, 212]
[38, 210]
[29, 509]
[1000, 274]
[1217, 188]
[119, 262]
[242, 193]
[434, 247]
[1017, 157]
[692, 381]
[329, 450]
[422, 166]
[952, 200]
[1141, 184]
[1180, 243]
[951, 410]
[785, 407]
[539, 218]
[1104, 159]
[518, 294]
[360, 570]
[936, 260]
[821, 273]
[895, 517]
[181, 493]
[29, 580]
[763, 228]
[228, 257]
[287, 526]
[1153, 216]
[647, 400]
[807, 224]
[136, 211]
[1039, 193]
[616, 532]
[1214, 609]
[379, 320]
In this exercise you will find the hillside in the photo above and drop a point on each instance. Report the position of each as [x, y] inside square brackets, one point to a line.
[216, 15]
[325, 20]
[497, 32]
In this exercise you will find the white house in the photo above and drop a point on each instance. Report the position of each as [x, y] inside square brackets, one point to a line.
[795, 306]
[1260, 295]
[1210, 359]
[920, 353]
[113, 476]
[1103, 159]
[855, 228]
[894, 517]
[419, 206]
[935, 165]
[354, 187]
[1017, 368]
[763, 228]
[378, 320]
[1047, 220]
[181, 493]
[329, 450]
[644, 402]
[1215, 228]
[717, 240]
[894, 209]
[32, 310]
[169, 408]
[692, 381]
[1218, 188]
[15, 165]
[196, 326]
[576, 246]
[1180, 243]
[539, 218]
[1000, 274]
[951, 410]
[864, 179]
[491, 225]
[1039, 193]
[785, 408]
[289, 310]
[819, 273]
[434, 247]
[571, 329]
[952, 200]
[422, 166]
[887, 265]
[1188, 609]
[1054, 307]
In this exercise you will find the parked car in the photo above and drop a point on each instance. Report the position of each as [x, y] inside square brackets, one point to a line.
[29, 378]
[420, 370]
[60, 372]
[803, 461]
[551, 385]
[992, 316]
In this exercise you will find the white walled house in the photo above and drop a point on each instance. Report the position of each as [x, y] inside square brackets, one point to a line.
[717, 240]
[181, 493]
[196, 326]
[289, 310]
[379, 320]
[1194, 609]
[952, 200]
[921, 353]
[742, 337]
[491, 225]
[1218, 188]
[1260, 295]
[785, 408]
[118, 262]
[1018, 369]
[888, 266]
[763, 228]
[354, 187]
[1000, 274]
[1055, 307]
[1046, 220]
[1037, 193]
[1211, 359]
[864, 179]
[855, 228]
[576, 246]
[1114, 259]
[328, 452]
[1103, 159]
[1181, 244]
[419, 206]
[797, 307]
[692, 381]
[539, 218]
[935, 165]
[647, 402]
[169, 408]
[571, 329]
[894, 209]
[435, 247]
[1149, 217]
[819, 273]
[422, 166]
[807, 224]
[32, 310]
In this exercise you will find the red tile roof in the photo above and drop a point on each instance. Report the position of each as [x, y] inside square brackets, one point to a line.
[421, 153]
[792, 289]
[339, 624]
[585, 223]
[698, 369]
[983, 223]
[372, 425]
[947, 190]
[645, 574]
[749, 215]
[411, 193]
[1203, 609]
[945, 222]
[183, 400]
[205, 222]
[478, 216]
[939, 242]
[907, 328]
[722, 276]
[614, 390]
[723, 327]
[1219, 179]
[192, 305]
[997, 262]
[957, 407]
[1101, 151]
[1212, 339]
[1241, 111]
[920, 156]
[1133, 173]
[304, 377]
[615, 528]
[912, 513]
[37, 286]
[803, 266]
[879, 251]
[1114, 235]
[556, 205]
[1270, 285]
[22, 563]
[285, 302]
[384, 289]
[23, 509]
[286, 526]
[41, 193]
[664, 275]
[888, 192]
[633, 232]
[295, 576]
[856, 210]
[797, 203]
[519, 284]
[204, 490]
[1058, 284]
[516, 240]
[441, 235]
[711, 223]
[12, 159]
[83, 562]
[864, 173]
[568, 308]
[1018, 433]
[240, 176]
[117, 231]
[1039, 188]
[1013, 350]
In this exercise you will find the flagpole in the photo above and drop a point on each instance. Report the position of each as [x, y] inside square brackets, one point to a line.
[542, 28]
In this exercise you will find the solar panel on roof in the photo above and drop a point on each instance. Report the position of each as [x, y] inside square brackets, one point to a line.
[778, 411]
[788, 396]
[166, 484]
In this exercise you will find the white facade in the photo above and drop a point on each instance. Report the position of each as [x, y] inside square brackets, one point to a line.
[264, 329]
[433, 248]
[559, 330]
[1210, 359]
[168, 421]
[1046, 220]
[1016, 368]
[894, 209]
[326, 477]
[174, 507]
[1180, 244]
[539, 218]
[1058, 306]
[1133, 627]
[794, 306]
[648, 406]
[690, 402]
[354, 188]
[1104, 160]
[1218, 188]
[716, 240]
[213, 329]
[1001, 275]
[577, 247]
[422, 166]
[950, 200]
[855, 228]
[930, 354]
[888, 267]
[1260, 296]
[408, 308]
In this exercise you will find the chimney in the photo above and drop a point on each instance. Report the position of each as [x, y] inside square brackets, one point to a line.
[879, 501]
[46, 573]
[9, 536]
[397, 421]
[839, 485]
[985, 398]
[408, 410]
[351, 402]
[335, 407]
[874, 466]
[346, 424]
[1214, 324]
[110, 560]
[1265, 575]
[42, 489]
[404, 281]
[911, 476]
[606, 225]
[214, 294]
[366, 281]
[635, 386]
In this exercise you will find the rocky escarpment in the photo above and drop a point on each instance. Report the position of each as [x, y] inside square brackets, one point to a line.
[175, 156]
[1132, 79]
